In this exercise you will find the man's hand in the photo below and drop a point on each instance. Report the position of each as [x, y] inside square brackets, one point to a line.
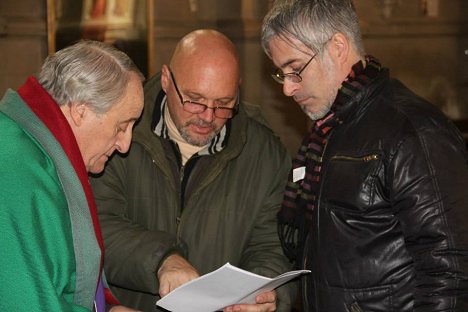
[265, 302]
[174, 271]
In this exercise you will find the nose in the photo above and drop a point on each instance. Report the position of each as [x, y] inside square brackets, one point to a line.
[207, 115]
[289, 88]
[124, 140]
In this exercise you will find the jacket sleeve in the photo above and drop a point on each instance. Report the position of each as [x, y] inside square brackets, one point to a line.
[132, 252]
[264, 255]
[429, 179]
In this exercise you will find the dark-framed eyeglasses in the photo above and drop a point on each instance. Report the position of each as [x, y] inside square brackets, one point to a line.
[295, 77]
[198, 108]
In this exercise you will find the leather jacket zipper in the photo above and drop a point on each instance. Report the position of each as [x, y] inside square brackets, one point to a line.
[304, 282]
[305, 299]
[355, 307]
[366, 158]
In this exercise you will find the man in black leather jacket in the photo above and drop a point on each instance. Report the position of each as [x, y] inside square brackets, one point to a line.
[376, 204]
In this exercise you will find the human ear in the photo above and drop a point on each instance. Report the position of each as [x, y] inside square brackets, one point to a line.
[165, 75]
[339, 47]
[78, 113]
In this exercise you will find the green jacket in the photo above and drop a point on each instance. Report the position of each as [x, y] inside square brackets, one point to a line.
[50, 258]
[229, 207]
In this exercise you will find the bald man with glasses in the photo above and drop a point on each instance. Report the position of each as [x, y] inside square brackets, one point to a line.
[200, 186]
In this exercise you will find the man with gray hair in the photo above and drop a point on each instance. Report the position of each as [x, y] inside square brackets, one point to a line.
[376, 202]
[54, 130]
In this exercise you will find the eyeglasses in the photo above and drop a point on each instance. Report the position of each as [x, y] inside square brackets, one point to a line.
[295, 77]
[198, 108]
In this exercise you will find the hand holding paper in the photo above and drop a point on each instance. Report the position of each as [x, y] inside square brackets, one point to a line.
[223, 287]
[174, 272]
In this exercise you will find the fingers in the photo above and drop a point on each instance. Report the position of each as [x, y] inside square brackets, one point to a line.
[265, 302]
[264, 307]
[164, 288]
[174, 272]
[267, 297]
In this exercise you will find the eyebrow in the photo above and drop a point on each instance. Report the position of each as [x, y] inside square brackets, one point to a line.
[196, 94]
[130, 119]
[288, 62]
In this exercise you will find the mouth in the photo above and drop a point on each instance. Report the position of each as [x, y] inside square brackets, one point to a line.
[202, 128]
[109, 154]
[300, 101]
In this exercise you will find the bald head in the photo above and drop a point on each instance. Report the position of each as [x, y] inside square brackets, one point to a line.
[204, 69]
[208, 49]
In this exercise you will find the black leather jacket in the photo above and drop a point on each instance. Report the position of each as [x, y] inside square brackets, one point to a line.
[390, 230]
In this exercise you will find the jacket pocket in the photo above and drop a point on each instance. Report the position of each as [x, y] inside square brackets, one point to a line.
[369, 299]
[352, 181]
[367, 158]
[375, 299]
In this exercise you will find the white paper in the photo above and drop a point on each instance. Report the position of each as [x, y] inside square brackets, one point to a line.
[221, 288]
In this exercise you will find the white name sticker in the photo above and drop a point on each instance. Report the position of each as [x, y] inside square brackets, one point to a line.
[299, 174]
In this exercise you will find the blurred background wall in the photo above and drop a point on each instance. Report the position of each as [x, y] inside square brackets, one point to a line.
[423, 42]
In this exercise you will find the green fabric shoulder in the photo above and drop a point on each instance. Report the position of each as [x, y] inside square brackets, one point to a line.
[35, 233]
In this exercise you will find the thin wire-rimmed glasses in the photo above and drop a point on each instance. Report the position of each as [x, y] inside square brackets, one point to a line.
[198, 108]
[295, 77]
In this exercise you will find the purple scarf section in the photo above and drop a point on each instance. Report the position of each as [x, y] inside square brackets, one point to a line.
[100, 301]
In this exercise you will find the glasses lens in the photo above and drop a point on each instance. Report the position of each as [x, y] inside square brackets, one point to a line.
[278, 76]
[224, 113]
[194, 107]
[198, 108]
[293, 77]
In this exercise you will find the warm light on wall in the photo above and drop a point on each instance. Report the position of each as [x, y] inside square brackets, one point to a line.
[193, 4]
[388, 6]
[430, 8]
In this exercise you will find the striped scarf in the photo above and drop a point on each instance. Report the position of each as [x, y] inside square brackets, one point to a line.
[301, 194]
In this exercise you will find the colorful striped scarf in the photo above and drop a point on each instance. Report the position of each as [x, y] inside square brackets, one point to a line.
[301, 194]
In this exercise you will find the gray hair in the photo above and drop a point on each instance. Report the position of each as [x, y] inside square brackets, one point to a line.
[312, 22]
[89, 72]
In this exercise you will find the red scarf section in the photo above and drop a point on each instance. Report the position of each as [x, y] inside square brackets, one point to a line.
[42, 104]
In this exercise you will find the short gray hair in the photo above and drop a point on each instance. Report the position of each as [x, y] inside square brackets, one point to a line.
[312, 22]
[89, 72]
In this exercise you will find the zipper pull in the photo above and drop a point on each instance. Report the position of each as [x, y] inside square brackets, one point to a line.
[355, 307]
